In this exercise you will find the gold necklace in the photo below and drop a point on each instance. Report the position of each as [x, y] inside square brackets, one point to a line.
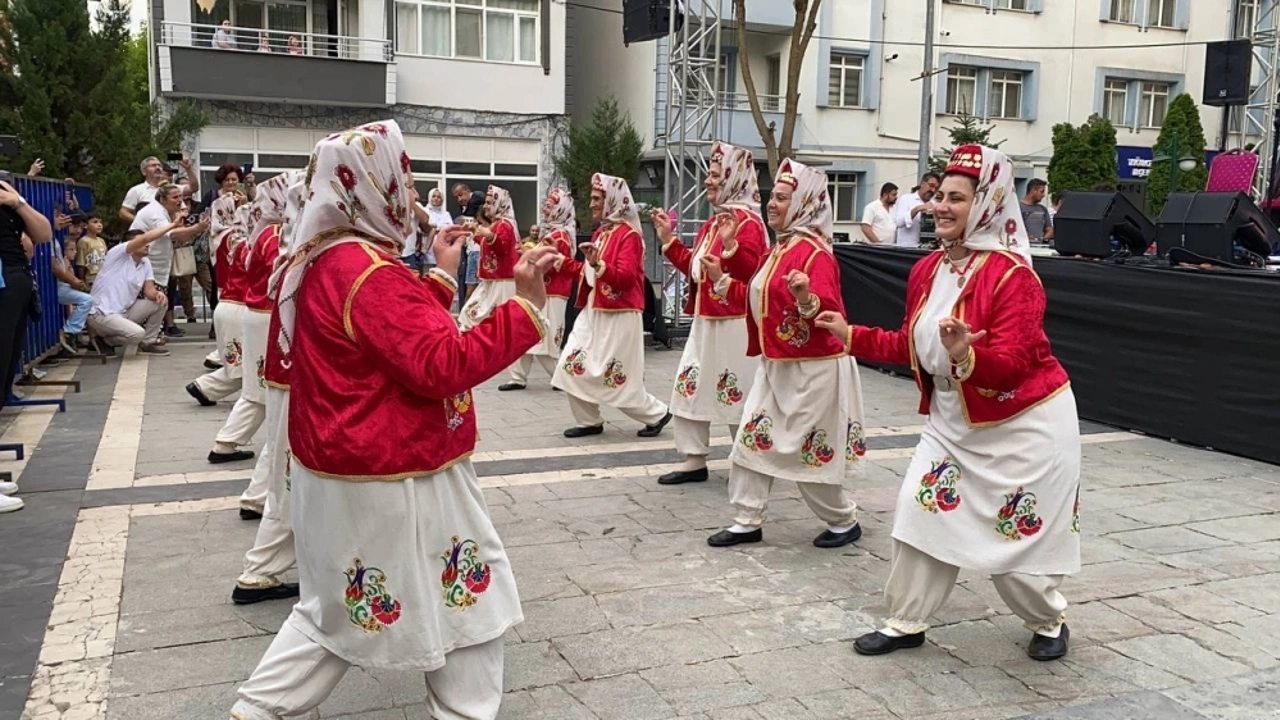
[951, 264]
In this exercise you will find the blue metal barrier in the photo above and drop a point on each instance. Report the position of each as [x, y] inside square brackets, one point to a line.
[46, 195]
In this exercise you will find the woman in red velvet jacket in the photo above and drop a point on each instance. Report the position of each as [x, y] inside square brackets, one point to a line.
[603, 360]
[559, 231]
[499, 253]
[803, 416]
[715, 372]
[995, 482]
[398, 560]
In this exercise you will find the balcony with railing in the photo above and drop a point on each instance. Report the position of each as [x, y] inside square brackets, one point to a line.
[234, 63]
[737, 127]
[762, 14]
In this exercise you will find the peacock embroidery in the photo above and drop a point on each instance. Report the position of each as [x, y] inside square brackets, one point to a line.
[939, 490]
[793, 330]
[816, 451]
[856, 446]
[727, 391]
[613, 375]
[370, 605]
[1017, 518]
[464, 575]
[575, 362]
[687, 381]
[757, 433]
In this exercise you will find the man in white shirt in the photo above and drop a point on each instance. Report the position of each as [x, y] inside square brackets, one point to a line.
[879, 226]
[910, 208]
[120, 317]
[164, 214]
[153, 174]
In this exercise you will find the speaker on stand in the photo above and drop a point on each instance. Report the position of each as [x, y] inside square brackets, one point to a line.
[1227, 67]
[645, 20]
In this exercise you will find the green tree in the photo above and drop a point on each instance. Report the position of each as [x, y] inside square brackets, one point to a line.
[1084, 157]
[78, 98]
[1181, 136]
[968, 130]
[609, 144]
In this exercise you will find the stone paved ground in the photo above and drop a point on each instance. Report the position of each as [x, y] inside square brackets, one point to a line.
[121, 590]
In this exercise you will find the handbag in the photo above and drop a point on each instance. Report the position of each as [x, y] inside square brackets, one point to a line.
[184, 261]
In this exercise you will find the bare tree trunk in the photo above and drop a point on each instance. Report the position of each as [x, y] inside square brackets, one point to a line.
[800, 37]
[778, 147]
[757, 114]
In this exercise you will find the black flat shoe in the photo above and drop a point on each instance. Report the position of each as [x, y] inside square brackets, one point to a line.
[211, 364]
[584, 431]
[655, 429]
[218, 458]
[877, 643]
[250, 514]
[724, 538]
[681, 477]
[1044, 648]
[508, 387]
[829, 539]
[249, 596]
[194, 391]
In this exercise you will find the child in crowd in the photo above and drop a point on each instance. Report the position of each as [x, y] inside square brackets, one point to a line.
[71, 289]
[92, 250]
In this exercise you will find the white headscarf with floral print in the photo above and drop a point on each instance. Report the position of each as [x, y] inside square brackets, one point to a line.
[995, 219]
[810, 209]
[269, 201]
[227, 223]
[498, 201]
[739, 188]
[619, 208]
[357, 191]
[295, 197]
[558, 212]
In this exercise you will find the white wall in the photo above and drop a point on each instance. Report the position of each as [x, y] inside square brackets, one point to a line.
[607, 68]
[487, 86]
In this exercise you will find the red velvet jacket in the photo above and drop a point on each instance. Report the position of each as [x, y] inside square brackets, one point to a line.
[274, 372]
[560, 282]
[500, 253]
[753, 243]
[783, 333]
[368, 404]
[620, 282]
[262, 260]
[230, 266]
[1012, 368]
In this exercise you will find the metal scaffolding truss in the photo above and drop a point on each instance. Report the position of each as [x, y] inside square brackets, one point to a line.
[692, 109]
[1260, 114]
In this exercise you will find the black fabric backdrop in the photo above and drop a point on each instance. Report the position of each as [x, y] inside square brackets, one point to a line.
[1184, 354]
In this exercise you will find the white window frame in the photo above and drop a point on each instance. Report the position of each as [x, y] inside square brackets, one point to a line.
[485, 10]
[1115, 90]
[956, 75]
[1011, 5]
[1156, 8]
[1116, 13]
[1148, 91]
[835, 181]
[1005, 80]
[1246, 17]
[845, 64]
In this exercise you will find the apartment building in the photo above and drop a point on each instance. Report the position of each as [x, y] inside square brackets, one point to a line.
[477, 86]
[1022, 65]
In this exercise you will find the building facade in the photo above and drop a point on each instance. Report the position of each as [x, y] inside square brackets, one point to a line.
[1020, 65]
[477, 86]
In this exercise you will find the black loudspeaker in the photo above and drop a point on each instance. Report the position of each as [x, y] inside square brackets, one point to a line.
[1087, 221]
[1211, 225]
[644, 20]
[1227, 67]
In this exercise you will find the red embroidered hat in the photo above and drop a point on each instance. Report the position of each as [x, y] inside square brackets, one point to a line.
[966, 160]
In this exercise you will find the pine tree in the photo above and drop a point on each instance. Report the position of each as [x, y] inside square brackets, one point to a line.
[968, 130]
[610, 144]
[1181, 135]
[1084, 157]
